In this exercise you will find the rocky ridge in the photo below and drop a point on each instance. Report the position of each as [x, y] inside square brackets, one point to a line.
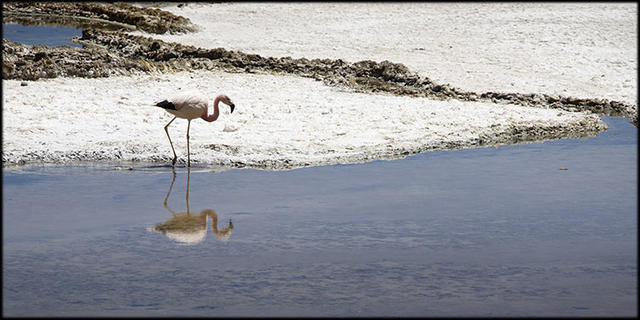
[150, 20]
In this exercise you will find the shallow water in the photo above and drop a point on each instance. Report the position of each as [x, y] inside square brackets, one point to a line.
[478, 232]
[42, 35]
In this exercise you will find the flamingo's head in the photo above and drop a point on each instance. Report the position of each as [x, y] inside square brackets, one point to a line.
[226, 100]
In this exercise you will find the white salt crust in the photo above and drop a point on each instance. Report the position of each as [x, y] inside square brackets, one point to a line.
[279, 121]
[585, 50]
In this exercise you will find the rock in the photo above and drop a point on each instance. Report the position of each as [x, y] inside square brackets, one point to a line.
[228, 128]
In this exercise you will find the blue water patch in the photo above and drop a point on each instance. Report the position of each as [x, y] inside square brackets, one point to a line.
[443, 233]
[42, 35]
[620, 132]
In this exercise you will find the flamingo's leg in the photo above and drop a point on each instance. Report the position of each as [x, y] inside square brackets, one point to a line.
[168, 193]
[188, 151]
[188, 176]
[166, 129]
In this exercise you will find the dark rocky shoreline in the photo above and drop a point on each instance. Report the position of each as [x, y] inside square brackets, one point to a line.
[108, 53]
[150, 20]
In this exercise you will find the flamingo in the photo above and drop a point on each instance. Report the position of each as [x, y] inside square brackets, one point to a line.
[191, 105]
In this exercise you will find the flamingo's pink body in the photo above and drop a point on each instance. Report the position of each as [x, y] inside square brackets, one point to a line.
[191, 105]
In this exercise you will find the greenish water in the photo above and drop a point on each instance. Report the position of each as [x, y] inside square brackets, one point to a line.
[477, 232]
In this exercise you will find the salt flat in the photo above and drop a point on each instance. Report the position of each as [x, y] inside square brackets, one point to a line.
[578, 49]
[586, 50]
[279, 122]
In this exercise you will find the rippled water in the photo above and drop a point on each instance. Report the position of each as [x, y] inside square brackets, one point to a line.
[545, 229]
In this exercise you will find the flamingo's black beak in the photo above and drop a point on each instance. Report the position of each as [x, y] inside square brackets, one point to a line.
[232, 107]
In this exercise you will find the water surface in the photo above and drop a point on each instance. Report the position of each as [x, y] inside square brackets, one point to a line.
[43, 35]
[544, 229]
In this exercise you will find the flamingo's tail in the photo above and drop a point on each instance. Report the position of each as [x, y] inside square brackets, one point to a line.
[166, 104]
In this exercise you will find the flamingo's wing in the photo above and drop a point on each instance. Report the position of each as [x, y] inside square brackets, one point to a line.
[191, 99]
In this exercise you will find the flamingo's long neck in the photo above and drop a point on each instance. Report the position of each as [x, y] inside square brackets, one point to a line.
[220, 234]
[214, 223]
[216, 111]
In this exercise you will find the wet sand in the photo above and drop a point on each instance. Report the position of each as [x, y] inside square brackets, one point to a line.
[480, 232]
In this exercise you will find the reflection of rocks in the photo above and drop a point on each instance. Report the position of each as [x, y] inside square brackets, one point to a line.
[146, 19]
[76, 22]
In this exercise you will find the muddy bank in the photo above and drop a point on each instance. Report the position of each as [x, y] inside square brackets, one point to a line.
[131, 17]
[116, 53]
[514, 135]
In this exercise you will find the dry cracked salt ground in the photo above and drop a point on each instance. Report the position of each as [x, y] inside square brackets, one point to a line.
[279, 121]
[585, 50]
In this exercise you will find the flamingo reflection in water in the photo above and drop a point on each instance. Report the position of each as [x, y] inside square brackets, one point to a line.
[188, 228]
